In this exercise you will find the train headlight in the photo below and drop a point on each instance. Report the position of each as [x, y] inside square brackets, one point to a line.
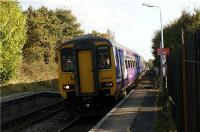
[68, 86]
[106, 84]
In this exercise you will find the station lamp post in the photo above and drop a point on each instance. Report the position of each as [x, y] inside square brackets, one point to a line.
[162, 70]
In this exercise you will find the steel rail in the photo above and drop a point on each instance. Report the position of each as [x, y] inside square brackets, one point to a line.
[69, 124]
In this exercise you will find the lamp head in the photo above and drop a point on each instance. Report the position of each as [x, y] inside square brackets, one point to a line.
[145, 4]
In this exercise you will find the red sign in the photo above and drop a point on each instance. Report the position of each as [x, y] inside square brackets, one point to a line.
[165, 51]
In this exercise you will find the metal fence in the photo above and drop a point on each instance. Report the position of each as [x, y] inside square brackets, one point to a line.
[183, 84]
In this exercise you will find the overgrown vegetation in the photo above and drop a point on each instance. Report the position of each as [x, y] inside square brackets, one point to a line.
[188, 21]
[12, 39]
[48, 85]
[165, 121]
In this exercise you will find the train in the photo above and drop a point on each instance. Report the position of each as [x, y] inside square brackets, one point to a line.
[93, 69]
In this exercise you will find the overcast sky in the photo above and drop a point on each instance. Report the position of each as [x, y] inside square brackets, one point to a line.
[134, 25]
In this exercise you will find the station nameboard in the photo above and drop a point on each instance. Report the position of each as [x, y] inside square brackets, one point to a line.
[165, 51]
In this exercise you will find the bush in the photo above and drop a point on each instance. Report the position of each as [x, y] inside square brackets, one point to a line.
[37, 71]
[12, 39]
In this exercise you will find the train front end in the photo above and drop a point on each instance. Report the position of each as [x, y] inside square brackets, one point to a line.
[86, 71]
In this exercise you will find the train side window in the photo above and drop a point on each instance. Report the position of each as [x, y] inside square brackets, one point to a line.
[134, 65]
[126, 64]
[104, 61]
[131, 64]
[67, 60]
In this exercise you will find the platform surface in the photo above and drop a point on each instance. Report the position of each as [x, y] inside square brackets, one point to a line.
[135, 113]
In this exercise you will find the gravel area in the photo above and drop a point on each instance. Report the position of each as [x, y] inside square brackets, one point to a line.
[84, 124]
[54, 124]
[51, 125]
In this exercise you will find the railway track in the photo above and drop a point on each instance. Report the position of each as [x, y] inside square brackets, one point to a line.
[63, 129]
[54, 118]
[24, 121]
[80, 124]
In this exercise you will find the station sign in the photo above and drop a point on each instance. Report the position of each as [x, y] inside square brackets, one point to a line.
[165, 51]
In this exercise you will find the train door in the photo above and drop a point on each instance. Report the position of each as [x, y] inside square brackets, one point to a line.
[119, 69]
[85, 66]
[121, 58]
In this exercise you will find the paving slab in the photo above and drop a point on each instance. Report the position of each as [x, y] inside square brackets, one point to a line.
[136, 112]
[147, 116]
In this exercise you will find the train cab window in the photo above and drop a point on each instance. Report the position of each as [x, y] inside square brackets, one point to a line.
[67, 60]
[103, 57]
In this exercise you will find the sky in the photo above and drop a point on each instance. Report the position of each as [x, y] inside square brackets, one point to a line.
[133, 25]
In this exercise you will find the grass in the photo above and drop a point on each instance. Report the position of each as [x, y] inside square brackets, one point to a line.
[33, 77]
[10, 89]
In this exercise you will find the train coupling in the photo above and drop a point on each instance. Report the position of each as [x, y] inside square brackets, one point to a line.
[88, 102]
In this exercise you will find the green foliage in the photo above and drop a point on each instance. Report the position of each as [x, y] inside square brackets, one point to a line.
[46, 30]
[12, 38]
[189, 22]
[108, 34]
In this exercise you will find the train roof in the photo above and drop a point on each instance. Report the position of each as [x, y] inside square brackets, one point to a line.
[86, 38]
[123, 47]
[89, 37]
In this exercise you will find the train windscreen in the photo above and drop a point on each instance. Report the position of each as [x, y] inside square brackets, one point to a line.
[67, 60]
[104, 57]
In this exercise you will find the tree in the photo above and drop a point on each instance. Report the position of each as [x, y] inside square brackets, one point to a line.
[12, 38]
[109, 34]
[189, 22]
[46, 30]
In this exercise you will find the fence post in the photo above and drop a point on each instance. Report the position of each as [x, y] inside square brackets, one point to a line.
[184, 84]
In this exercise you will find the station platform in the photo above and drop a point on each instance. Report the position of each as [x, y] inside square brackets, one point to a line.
[135, 113]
